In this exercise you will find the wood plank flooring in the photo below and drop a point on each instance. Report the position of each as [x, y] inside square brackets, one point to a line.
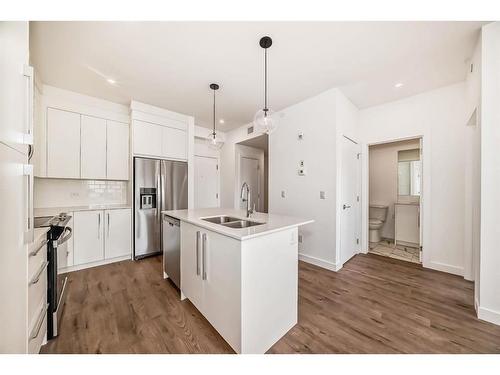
[373, 305]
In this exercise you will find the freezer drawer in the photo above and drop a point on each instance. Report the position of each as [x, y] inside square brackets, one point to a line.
[171, 249]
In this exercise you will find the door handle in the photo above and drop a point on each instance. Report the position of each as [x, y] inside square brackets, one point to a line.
[203, 257]
[345, 206]
[197, 252]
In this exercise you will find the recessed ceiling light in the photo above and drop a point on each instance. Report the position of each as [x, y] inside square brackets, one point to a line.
[221, 121]
[398, 85]
[111, 81]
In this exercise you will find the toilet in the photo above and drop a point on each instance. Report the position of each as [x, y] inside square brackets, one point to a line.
[378, 214]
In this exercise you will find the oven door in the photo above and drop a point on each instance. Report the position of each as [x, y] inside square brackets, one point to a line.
[61, 250]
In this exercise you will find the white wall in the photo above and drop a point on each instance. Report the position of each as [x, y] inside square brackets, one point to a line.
[489, 293]
[383, 175]
[439, 116]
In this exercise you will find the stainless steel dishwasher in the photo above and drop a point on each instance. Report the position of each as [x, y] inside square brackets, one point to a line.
[171, 243]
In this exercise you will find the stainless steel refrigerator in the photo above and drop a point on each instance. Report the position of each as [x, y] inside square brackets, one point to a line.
[158, 185]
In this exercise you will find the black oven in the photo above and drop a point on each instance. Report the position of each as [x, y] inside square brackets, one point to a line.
[58, 235]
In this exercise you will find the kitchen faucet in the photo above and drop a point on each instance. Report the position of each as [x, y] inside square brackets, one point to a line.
[247, 199]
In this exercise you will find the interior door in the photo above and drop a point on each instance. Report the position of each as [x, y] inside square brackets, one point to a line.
[206, 182]
[249, 173]
[350, 218]
[93, 147]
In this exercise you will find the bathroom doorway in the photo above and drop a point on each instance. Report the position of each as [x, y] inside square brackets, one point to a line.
[395, 181]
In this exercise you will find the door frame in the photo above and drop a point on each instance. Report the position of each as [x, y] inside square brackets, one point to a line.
[339, 260]
[217, 158]
[424, 192]
[243, 151]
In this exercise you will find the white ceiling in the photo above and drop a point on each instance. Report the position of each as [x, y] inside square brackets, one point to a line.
[171, 64]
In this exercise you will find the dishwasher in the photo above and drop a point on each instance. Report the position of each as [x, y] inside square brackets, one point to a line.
[171, 244]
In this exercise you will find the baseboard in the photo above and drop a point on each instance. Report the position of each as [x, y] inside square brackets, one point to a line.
[488, 315]
[320, 262]
[93, 264]
[443, 267]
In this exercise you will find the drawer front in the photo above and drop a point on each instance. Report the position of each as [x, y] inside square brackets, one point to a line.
[38, 328]
[37, 289]
[37, 254]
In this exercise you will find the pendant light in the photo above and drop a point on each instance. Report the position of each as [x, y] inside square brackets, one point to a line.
[213, 139]
[263, 119]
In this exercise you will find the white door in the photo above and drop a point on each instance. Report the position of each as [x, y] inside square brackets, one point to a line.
[88, 243]
[117, 241]
[93, 147]
[117, 155]
[206, 182]
[249, 173]
[350, 218]
[63, 148]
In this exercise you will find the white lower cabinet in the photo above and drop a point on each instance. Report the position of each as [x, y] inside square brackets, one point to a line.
[211, 279]
[101, 235]
[88, 242]
[117, 241]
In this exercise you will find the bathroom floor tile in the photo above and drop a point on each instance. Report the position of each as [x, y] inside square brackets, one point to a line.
[386, 248]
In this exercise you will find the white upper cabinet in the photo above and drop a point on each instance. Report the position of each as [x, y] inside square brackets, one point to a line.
[93, 148]
[174, 143]
[63, 151]
[117, 151]
[147, 138]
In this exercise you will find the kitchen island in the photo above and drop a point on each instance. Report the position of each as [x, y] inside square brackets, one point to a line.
[241, 273]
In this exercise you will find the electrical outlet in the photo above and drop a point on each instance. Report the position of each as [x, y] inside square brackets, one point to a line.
[300, 136]
[74, 195]
[300, 238]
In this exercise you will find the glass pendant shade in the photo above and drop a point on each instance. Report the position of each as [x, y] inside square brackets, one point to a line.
[265, 121]
[213, 141]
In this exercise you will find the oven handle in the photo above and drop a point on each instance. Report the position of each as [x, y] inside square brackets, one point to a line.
[62, 240]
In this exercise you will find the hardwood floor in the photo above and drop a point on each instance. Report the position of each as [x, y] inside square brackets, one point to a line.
[373, 305]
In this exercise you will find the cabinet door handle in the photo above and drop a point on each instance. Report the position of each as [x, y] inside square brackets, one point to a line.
[203, 257]
[108, 224]
[197, 252]
[35, 252]
[36, 278]
[99, 226]
[29, 234]
[36, 330]
[30, 93]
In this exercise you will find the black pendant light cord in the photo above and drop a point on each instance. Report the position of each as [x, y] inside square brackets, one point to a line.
[265, 82]
[214, 115]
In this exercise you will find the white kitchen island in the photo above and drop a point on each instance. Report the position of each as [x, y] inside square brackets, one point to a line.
[243, 280]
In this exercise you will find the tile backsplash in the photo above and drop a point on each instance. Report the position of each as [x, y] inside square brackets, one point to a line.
[50, 192]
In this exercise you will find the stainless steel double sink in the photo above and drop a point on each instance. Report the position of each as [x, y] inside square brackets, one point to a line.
[231, 222]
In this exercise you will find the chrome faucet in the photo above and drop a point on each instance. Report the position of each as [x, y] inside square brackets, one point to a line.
[246, 188]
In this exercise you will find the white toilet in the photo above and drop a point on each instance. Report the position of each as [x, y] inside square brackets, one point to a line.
[378, 214]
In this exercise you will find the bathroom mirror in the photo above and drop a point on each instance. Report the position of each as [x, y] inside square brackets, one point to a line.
[409, 172]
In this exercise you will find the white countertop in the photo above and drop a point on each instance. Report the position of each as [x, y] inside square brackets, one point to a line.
[51, 211]
[273, 223]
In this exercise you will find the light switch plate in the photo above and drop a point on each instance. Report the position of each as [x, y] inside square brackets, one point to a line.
[283, 194]
[300, 136]
[322, 195]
